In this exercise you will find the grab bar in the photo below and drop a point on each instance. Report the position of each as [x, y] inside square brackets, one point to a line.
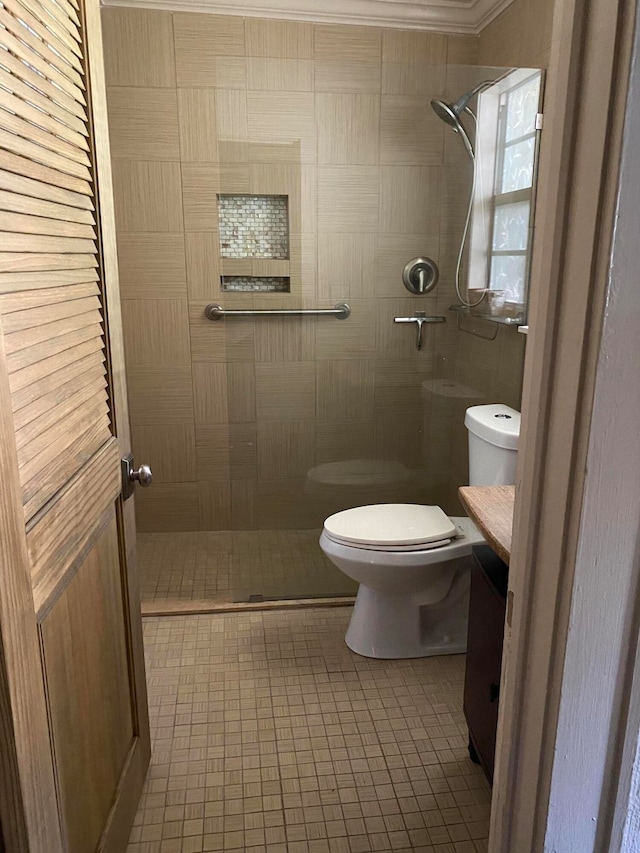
[217, 312]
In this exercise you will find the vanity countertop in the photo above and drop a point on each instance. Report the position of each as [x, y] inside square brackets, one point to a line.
[491, 509]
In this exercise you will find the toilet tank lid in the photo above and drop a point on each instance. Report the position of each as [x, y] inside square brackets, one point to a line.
[391, 524]
[496, 423]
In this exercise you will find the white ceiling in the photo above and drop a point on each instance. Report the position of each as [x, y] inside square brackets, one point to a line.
[460, 16]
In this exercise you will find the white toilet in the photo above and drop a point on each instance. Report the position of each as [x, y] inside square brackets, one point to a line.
[412, 561]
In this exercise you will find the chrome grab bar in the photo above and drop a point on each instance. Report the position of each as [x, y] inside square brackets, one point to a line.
[420, 318]
[216, 312]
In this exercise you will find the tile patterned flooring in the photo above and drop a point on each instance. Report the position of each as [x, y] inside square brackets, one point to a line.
[270, 735]
[232, 566]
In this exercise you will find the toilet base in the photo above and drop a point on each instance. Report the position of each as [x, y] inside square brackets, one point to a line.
[392, 627]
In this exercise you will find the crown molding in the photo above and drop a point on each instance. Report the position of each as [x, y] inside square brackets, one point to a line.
[450, 16]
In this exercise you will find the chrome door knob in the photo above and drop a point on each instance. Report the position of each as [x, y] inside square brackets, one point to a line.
[130, 476]
[143, 476]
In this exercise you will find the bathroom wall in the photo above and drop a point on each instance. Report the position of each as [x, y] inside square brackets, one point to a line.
[520, 36]
[233, 416]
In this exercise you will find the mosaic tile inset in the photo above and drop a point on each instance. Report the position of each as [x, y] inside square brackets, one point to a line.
[254, 226]
[255, 284]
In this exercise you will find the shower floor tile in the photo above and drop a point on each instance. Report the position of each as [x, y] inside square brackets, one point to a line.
[268, 734]
[231, 566]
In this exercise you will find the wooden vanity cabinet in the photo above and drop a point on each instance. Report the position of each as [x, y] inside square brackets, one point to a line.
[487, 601]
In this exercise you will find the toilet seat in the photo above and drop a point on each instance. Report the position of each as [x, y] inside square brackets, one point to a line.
[391, 527]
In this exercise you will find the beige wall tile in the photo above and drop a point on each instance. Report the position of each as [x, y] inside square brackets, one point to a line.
[234, 177]
[410, 134]
[160, 394]
[409, 200]
[197, 125]
[396, 438]
[156, 331]
[462, 50]
[344, 389]
[402, 78]
[279, 39]
[243, 451]
[348, 198]
[346, 265]
[518, 35]
[212, 451]
[351, 338]
[340, 42]
[283, 504]
[170, 450]
[152, 265]
[168, 506]
[138, 47]
[208, 337]
[283, 117]
[215, 504]
[241, 383]
[210, 393]
[147, 195]
[231, 72]
[339, 439]
[200, 188]
[414, 46]
[284, 338]
[280, 75]
[202, 249]
[286, 449]
[285, 391]
[143, 123]
[348, 129]
[199, 40]
[398, 386]
[347, 75]
[243, 505]
[231, 117]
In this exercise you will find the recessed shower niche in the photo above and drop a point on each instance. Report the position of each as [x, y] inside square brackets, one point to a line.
[254, 228]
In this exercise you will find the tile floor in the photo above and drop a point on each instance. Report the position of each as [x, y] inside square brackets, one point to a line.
[270, 735]
[230, 566]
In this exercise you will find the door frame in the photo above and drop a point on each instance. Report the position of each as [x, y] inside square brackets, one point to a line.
[544, 721]
[29, 814]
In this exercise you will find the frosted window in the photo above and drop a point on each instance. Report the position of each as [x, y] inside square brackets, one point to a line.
[507, 275]
[511, 227]
[517, 168]
[522, 108]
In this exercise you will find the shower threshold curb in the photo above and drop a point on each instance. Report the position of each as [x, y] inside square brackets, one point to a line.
[176, 607]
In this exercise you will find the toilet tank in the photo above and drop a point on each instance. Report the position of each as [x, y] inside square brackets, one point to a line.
[494, 431]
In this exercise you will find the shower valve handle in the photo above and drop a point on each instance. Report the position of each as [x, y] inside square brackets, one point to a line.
[420, 318]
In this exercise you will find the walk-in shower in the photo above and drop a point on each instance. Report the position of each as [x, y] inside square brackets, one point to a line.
[275, 182]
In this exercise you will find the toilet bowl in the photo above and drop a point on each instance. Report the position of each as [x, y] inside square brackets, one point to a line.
[413, 576]
[412, 561]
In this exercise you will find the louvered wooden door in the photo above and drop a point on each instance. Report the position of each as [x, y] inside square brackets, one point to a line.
[74, 739]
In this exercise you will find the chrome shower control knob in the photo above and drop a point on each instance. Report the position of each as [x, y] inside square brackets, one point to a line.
[420, 275]
[143, 476]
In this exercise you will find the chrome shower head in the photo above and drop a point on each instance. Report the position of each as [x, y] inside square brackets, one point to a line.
[445, 112]
[450, 113]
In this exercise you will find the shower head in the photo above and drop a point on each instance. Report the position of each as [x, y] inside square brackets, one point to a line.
[446, 113]
[450, 113]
